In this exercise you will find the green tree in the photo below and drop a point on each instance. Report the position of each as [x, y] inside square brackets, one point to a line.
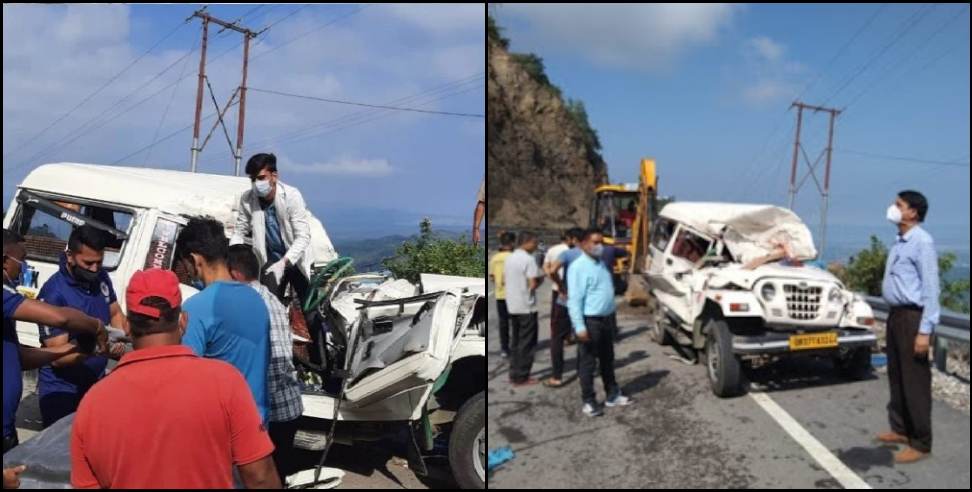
[865, 271]
[494, 32]
[430, 253]
[579, 114]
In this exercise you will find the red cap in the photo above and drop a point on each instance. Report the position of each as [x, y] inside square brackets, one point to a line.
[152, 283]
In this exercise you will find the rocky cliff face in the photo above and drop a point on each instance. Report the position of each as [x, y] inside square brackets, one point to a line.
[542, 166]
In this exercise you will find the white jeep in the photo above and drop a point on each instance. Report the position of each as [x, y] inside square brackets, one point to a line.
[729, 282]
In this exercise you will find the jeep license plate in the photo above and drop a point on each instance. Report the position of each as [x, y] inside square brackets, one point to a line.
[813, 341]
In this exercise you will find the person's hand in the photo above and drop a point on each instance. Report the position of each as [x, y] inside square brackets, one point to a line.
[117, 350]
[921, 345]
[475, 237]
[277, 270]
[11, 477]
[102, 338]
[562, 297]
[583, 337]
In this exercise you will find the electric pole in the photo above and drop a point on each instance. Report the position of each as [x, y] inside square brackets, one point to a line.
[247, 36]
[798, 149]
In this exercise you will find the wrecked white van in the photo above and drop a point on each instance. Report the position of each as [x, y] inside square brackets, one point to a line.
[387, 353]
[729, 282]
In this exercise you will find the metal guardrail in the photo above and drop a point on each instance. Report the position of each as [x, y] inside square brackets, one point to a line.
[951, 326]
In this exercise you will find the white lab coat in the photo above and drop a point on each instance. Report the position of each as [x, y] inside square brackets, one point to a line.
[294, 220]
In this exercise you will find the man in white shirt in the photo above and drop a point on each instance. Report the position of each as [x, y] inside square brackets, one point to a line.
[522, 276]
[559, 320]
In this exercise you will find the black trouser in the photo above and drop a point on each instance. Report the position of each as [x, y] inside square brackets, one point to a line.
[599, 349]
[56, 406]
[10, 442]
[524, 345]
[910, 379]
[504, 325]
[292, 276]
[559, 331]
[282, 434]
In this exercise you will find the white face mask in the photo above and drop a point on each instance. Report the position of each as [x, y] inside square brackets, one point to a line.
[894, 214]
[262, 188]
[598, 250]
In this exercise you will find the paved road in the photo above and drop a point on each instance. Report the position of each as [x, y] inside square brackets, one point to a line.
[679, 435]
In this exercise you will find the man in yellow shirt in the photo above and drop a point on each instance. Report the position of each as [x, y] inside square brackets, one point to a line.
[496, 264]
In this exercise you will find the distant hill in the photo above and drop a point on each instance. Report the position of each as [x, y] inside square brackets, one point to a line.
[369, 254]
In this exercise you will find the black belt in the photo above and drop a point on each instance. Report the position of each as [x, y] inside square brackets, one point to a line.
[907, 307]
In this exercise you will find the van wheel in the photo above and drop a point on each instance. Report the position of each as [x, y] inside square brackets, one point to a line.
[855, 365]
[723, 367]
[467, 445]
[659, 334]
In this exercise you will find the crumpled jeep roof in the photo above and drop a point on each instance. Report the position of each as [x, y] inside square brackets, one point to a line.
[748, 230]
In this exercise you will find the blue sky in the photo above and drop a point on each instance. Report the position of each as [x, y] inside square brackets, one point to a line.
[375, 172]
[705, 90]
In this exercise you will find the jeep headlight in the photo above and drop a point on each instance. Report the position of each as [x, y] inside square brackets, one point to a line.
[834, 296]
[768, 291]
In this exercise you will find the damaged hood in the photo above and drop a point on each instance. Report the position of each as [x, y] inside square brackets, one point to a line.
[748, 231]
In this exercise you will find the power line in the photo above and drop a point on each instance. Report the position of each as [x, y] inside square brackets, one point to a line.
[96, 92]
[883, 77]
[905, 159]
[365, 105]
[331, 123]
[905, 27]
[168, 106]
[299, 36]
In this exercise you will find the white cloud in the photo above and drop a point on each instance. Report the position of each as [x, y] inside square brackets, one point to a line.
[639, 36]
[767, 48]
[344, 166]
[765, 75]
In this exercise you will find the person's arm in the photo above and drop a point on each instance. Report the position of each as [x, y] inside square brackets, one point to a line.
[478, 221]
[66, 318]
[261, 474]
[11, 476]
[535, 275]
[243, 216]
[300, 224]
[195, 336]
[575, 301]
[35, 358]
[59, 342]
[118, 319]
[930, 287]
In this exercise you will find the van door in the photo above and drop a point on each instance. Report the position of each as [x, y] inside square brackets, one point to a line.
[677, 251]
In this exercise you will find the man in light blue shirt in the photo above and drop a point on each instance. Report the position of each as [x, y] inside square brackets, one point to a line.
[590, 302]
[911, 287]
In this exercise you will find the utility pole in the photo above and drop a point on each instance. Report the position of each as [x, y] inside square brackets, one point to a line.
[828, 151]
[248, 35]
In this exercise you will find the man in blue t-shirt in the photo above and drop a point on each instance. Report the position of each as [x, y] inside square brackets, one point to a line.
[80, 283]
[17, 358]
[227, 320]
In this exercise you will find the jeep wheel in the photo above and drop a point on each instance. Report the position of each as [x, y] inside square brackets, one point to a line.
[659, 334]
[467, 445]
[855, 365]
[724, 368]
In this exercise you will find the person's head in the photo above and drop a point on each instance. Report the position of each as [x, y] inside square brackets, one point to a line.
[202, 248]
[909, 208]
[592, 243]
[262, 170]
[574, 236]
[14, 256]
[528, 241]
[243, 263]
[155, 307]
[507, 240]
[86, 253]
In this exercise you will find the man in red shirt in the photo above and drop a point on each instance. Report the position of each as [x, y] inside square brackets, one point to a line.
[166, 418]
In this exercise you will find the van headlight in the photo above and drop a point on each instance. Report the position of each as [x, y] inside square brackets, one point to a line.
[834, 296]
[768, 292]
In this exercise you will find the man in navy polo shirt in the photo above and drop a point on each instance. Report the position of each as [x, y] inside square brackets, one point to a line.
[81, 283]
[16, 357]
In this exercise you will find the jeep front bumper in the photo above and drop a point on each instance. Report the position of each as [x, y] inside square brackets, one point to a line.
[777, 343]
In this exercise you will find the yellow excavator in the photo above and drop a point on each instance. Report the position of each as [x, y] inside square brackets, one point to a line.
[625, 214]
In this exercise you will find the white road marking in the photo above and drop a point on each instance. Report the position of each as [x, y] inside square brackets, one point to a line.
[847, 478]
